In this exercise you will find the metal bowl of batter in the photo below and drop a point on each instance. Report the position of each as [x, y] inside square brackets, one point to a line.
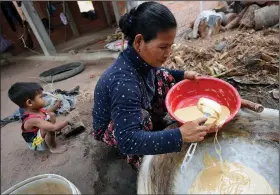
[251, 140]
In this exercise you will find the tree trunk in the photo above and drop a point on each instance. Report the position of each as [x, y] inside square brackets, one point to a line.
[266, 17]
[248, 17]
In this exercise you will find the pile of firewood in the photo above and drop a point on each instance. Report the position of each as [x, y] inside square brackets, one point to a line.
[250, 14]
[240, 14]
[249, 54]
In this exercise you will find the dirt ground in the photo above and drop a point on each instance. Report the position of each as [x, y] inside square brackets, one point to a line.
[90, 165]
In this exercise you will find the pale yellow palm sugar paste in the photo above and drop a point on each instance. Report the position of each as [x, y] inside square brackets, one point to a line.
[192, 113]
[233, 179]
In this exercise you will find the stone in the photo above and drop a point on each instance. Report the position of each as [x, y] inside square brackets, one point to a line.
[220, 46]
[275, 94]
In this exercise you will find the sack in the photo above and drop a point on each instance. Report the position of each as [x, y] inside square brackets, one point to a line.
[116, 45]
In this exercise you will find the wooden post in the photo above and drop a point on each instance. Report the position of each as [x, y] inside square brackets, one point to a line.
[71, 20]
[38, 28]
[116, 11]
[108, 17]
[19, 10]
[201, 6]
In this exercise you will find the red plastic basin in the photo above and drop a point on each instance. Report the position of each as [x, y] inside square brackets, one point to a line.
[188, 92]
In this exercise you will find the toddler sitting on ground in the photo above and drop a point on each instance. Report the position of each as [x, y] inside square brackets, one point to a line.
[38, 125]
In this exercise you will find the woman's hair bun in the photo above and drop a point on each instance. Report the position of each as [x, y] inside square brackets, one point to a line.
[125, 22]
[146, 19]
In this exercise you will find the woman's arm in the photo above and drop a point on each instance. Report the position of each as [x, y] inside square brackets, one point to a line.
[178, 75]
[127, 120]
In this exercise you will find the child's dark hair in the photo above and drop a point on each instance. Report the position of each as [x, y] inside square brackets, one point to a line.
[21, 91]
[148, 19]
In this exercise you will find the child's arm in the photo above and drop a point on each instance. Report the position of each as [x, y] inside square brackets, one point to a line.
[45, 125]
[57, 105]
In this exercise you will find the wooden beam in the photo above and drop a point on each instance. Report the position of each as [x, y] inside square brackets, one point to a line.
[107, 14]
[71, 20]
[38, 28]
[201, 6]
[19, 10]
[116, 11]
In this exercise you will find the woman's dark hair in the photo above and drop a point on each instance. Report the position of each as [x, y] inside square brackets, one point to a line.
[20, 92]
[148, 19]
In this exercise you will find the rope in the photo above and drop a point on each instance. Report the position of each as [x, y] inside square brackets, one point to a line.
[24, 45]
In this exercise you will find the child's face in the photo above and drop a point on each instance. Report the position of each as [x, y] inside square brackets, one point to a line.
[37, 103]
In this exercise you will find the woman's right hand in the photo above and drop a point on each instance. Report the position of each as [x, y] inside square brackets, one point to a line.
[194, 131]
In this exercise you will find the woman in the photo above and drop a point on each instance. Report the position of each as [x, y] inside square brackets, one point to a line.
[129, 98]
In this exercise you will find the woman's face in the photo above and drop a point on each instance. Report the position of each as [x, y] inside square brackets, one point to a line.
[156, 51]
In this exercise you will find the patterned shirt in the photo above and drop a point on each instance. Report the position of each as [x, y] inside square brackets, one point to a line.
[123, 90]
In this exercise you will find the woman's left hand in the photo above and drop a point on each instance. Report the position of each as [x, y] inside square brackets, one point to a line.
[191, 75]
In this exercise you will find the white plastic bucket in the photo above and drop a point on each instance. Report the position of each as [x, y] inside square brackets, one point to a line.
[44, 184]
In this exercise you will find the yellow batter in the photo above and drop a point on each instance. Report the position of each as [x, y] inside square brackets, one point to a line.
[218, 116]
[221, 177]
[192, 113]
[44, 186]
[234, 179]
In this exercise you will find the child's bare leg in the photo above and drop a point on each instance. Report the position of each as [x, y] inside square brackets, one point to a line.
[50, 141]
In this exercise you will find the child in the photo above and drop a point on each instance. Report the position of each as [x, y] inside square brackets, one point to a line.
[38, 125]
